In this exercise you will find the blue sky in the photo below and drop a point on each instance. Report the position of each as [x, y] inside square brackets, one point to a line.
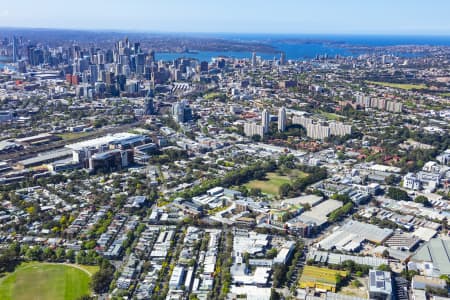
[236, 16]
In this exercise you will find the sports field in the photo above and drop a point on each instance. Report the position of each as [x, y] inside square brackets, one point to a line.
[36, 281]
[273, 181]
[402, 86]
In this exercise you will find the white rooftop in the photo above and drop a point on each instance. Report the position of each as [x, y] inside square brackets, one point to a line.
[105, 140]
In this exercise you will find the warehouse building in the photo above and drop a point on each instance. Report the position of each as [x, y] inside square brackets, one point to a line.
[433, 258]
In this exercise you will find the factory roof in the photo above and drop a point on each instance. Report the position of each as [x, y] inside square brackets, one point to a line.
[436, 251]
[105, 140]
[370, 232]
[45, 157]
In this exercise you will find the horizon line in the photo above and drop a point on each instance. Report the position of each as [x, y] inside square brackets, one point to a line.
[116, 30]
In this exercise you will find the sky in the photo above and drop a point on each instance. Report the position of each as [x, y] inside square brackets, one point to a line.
[411, 17]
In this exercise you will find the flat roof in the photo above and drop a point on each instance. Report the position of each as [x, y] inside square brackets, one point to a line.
[105, 140]
[312, 200]
[319, 213]
[34, 137]
[424, 233]
[380, 281]
[46, 157]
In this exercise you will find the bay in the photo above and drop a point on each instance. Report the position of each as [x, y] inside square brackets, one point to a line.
[304, 47]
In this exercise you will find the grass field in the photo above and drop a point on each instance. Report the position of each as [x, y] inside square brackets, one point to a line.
[73, 135]
[402, 86]
[332, 116]
[36, 281]
[273, 181]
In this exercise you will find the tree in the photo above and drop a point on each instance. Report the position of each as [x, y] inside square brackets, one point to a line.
[356, 283]
[339, 213]
[256, 138]
[255, 192]
[100, 280]
[341, 197]
[384, 268]
[398, 194]
[391, 180]
[60, 253]
[271, 253]
[424, 200]
[70, 255]
[274, 295]
[279, 275]
[284, 189]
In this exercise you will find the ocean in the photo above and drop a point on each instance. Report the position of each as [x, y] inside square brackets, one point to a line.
[303, 47]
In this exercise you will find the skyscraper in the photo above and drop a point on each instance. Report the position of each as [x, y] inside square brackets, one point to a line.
[253, 59]
[151, 56]
[181, 111]
[149, 106]
[265, 120]
[15, 53]
[282, 119]
[283, 58]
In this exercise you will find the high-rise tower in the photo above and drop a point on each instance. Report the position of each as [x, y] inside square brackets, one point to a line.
[265, 120]
[282, 119]
[15, 52]
[253, 59]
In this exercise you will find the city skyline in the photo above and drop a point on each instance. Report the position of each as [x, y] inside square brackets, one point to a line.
[268, 17]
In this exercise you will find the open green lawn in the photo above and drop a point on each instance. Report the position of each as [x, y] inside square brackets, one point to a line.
[332, 116]
[273, 181]
[36, 281]
[403, 86]
[73, 135]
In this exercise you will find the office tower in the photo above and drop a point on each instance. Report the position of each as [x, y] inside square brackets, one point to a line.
[94, 73]
[22, 67]
[110, 78]
[140, 63]
[221, 63]
[151, 56]
[137, 48]
[182, 112]
[254, 59]
[149, 106]
[15, 49]
[204, 66]
[265, 121]
[37, 57]
[282, 119]
[121, 82]
[283, 58]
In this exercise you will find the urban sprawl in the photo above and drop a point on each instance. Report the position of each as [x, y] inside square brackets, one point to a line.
[231, 178]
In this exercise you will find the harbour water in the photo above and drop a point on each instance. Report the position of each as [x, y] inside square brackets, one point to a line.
[303, 47]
